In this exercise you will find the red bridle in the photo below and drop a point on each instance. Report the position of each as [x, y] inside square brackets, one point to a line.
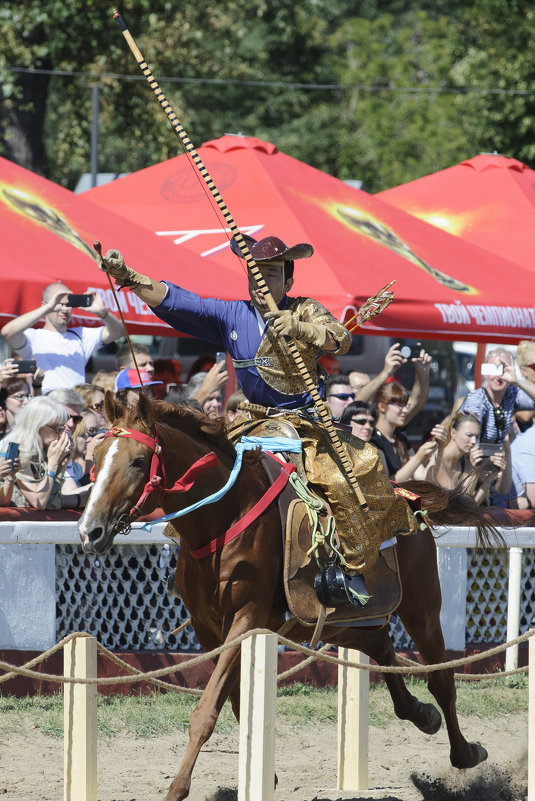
[157, 473]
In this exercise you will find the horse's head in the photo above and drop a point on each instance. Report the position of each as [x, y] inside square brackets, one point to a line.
[122, 469]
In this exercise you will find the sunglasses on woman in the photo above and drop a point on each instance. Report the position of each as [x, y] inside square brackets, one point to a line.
[362, 421]
[98, 407]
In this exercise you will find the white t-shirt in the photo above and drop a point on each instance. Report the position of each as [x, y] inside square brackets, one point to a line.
[62, 357]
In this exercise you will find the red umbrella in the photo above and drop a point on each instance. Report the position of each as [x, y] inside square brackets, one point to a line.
[47, 234]
[488, 200]
[445, 288]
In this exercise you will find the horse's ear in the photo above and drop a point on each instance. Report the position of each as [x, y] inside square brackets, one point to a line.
[114, 409]
[144, 408]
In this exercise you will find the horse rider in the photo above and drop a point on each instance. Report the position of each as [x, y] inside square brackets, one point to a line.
[255, 339]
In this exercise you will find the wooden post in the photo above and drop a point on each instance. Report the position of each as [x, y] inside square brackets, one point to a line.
[531, 721]
[80, 721]
[514, 593]
[353, 722]
[258, 699]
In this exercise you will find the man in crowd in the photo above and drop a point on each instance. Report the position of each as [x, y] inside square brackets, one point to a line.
[338, 393]
[61, 352]
[125, 361]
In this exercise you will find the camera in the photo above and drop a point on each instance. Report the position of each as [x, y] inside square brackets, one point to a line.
[488, 449]
[410, 351]
[220, 356]
[487, 368]
[79, 300]
[27, 365]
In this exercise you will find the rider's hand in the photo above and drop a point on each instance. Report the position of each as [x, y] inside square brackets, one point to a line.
[114, 264]
[286, 324]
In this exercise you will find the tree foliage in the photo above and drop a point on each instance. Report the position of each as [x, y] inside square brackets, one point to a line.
[396, 89]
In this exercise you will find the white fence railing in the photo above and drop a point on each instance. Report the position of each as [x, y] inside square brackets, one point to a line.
[50, 588]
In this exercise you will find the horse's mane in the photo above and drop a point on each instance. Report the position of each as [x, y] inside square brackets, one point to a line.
[189, 421]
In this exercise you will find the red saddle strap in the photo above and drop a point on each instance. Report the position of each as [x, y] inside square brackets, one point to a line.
[253, 513]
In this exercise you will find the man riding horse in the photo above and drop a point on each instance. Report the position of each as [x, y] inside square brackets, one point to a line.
[256, 340]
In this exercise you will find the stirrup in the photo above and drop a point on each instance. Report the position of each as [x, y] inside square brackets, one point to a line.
[335, 588]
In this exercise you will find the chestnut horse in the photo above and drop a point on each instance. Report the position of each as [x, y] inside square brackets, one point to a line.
[239, 587]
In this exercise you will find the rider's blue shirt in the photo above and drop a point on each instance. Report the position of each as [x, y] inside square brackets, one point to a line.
[234, 324]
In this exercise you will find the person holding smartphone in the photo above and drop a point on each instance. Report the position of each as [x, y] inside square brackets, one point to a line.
[503, 394]
[61, 352]
[44, 450]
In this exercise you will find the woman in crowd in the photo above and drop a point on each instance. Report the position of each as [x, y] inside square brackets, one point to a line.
[80, 464]
[44, 449]
[391, 402]
[93, 397]
[14, 394]
[361, 417]
[461, 460]
[496, 403]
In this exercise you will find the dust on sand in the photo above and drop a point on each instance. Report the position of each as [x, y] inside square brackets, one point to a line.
[404, 765]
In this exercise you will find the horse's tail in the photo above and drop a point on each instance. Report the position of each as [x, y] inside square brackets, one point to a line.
[454, 507]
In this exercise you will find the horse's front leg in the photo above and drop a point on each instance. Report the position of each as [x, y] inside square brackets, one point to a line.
[205, 714]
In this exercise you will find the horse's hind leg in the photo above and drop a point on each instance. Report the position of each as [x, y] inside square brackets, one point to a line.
[420, 613]
[378, 645]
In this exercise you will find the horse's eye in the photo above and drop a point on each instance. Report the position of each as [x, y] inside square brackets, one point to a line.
[139, 463]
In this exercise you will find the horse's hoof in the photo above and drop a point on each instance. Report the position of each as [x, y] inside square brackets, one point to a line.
[477, 755]
[433, 719]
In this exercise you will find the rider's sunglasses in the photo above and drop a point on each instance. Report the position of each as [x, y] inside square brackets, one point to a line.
[342, 395]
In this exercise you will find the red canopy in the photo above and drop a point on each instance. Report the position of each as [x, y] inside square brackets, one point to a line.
[445, 288]
[488, 200]
[47, 234]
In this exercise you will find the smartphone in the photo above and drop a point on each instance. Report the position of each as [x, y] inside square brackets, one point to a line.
[491, 369]
[12, 451]
[410, 351]
[489, 449]
[220, 356]
[27, 365]
[79, 300]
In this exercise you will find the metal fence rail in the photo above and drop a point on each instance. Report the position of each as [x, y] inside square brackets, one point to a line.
[121, 597]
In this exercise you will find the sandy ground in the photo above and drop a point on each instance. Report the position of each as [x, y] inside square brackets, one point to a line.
[404, 765]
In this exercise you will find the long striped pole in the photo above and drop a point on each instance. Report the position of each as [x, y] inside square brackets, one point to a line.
[310, 386]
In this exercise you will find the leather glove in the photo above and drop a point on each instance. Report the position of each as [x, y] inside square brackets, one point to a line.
[114, 264]
[286, 324]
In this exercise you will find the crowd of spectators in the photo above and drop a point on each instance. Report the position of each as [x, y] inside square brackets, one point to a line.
[52, 418]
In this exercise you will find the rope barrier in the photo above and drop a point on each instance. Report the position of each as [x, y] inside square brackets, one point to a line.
[150, 676]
